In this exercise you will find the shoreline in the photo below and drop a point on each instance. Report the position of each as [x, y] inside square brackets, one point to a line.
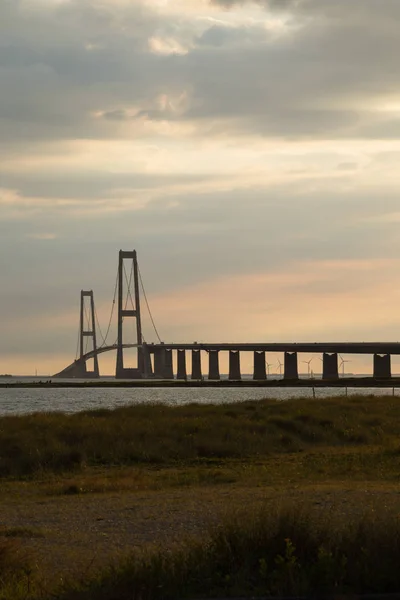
[348, 382]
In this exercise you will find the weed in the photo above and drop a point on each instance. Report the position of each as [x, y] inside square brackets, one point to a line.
[276, 550]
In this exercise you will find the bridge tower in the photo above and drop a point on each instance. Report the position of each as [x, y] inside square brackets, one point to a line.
[123, 313]
[87, 329]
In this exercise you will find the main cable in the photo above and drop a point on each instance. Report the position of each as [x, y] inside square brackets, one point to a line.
[147, 304]
[79, 336]
[104, 338]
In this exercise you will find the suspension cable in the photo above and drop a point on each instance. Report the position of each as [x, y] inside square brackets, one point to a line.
[129, 295]
[147, 304]
[99, 329]
[128, 283]
[78, 340]
[104, 338]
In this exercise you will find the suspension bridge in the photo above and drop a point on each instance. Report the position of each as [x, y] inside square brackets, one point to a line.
[154, 360]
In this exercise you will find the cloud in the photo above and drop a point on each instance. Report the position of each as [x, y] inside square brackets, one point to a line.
[320, 76]
[233, 148]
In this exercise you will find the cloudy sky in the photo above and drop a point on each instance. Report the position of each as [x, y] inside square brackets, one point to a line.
[249, 152]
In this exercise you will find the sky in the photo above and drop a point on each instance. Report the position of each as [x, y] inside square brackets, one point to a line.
[248, 151]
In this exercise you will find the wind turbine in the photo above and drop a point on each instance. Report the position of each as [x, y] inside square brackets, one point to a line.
[280, 365]
[342, 363]
[268, 365]
[308, 362]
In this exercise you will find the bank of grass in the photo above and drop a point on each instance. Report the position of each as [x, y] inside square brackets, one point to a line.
[277, 551]
[159, 435]
[287, 551]
[18, 574]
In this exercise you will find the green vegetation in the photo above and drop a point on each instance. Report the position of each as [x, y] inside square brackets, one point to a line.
[17, 573]
[57, 462]
[273, 551]
[162, 435]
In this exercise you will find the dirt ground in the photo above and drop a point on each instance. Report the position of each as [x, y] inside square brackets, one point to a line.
[74, 535]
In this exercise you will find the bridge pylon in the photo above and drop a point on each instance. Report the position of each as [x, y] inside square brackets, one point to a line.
[121, 372]
[87, 329]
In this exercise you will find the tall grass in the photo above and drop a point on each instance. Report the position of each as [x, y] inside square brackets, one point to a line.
[279, 551]
[158, 434]
[18, 578]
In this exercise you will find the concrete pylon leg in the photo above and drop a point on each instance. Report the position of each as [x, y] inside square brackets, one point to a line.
[181, 365]
[259, 373]
[159, 363]
[147, 367]
[169, 369]
[213, 362]
[196, 365]
[291, 368]
[382, 366]
[234, 366]
[330, 368]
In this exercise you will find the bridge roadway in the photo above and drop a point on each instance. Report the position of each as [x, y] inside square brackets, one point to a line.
[309, 347]
[163, 363]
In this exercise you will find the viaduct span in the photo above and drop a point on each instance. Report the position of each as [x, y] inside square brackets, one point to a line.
[155, 360]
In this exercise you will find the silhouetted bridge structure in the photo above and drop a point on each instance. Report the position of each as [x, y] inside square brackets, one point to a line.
[155, 360]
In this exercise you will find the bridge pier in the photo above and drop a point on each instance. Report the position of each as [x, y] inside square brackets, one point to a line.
[291, 368]
[213, 365]
[196, 365]
[159, 363]
[234, 365]
[382, 366]
[182, 374]
[169, 369]
[259, 372]
[146, 360]
[330, 368]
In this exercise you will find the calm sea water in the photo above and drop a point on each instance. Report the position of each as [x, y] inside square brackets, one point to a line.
[70, 400]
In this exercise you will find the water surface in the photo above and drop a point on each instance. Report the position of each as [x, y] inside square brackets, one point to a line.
[70, 400]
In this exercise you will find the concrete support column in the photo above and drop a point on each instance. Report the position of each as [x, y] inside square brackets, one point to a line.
[147, 367]
[213, 365]
[259, 372]
[382, 366]
[181, 365]
[169, 369]
[330, 366]
[196, 365]
[159, 363]
[234, 365]
[291, 369]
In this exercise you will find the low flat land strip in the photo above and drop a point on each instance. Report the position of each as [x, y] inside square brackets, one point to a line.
[80, 492]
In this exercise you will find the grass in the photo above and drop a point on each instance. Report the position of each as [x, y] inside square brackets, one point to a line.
[277, 551]
[159, 435]
[18, 577]
[49, 458]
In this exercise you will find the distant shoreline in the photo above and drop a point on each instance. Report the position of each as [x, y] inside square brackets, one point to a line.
[352, 382]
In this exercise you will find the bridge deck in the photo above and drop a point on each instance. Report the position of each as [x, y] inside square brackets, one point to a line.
[309, 347]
